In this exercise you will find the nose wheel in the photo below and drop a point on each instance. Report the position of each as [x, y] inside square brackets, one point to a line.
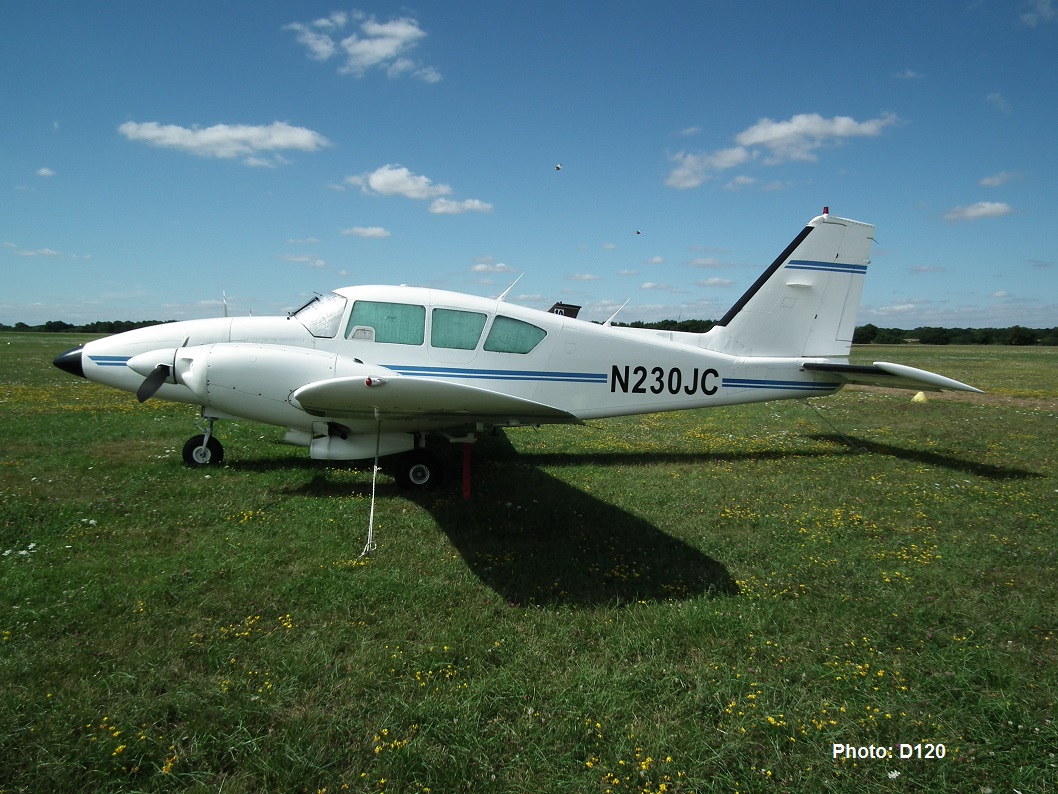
[204, 449]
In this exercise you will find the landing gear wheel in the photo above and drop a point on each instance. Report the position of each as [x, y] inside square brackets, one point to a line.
[200, 451]
[418, 470]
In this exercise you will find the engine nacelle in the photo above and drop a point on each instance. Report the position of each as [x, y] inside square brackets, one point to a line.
[359, 447]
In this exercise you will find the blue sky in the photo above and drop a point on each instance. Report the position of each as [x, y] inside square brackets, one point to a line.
[156, 156]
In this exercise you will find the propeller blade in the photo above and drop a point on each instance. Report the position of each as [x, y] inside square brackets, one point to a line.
[159, 375]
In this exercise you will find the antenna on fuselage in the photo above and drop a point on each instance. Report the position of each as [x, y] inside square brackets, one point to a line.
[610, 321]
[506, 291]
[224, 300]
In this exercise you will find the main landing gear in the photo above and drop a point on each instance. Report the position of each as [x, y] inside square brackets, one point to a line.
[418, 470]
[204, 449]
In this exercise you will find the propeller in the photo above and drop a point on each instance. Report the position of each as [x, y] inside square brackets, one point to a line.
[154, 381]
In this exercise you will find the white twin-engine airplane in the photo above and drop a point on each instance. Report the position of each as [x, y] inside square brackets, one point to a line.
[371, 370]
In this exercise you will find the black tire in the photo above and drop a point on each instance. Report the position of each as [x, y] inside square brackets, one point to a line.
[195, 454]
[418, 470]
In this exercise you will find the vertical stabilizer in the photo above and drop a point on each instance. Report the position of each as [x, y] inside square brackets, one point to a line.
[806, 303]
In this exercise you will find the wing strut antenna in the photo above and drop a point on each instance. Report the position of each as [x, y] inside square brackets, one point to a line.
[507, 291]
[609, 322]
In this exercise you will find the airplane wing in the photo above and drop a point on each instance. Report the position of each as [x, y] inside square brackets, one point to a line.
[884, 373]
[402, 396]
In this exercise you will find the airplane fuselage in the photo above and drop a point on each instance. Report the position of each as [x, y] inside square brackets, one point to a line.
[250, 367]
[367, 371]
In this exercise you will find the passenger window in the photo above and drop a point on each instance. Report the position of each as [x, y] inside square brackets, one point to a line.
[455, 329]
[508, 335]
[398, 323]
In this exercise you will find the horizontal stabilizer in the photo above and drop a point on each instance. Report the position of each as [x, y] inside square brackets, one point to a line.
[405, 397]
[894, 376]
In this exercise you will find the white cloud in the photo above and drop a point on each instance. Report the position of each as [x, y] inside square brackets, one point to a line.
[45, 172]
[695, 167]
[998, 101]
[376, 45]
[997, 180]
[319, 45]
[488, 266]
[311, 261]
[740, 182]
[39, 252]
[396, 180]
[582, 277]
[367, 231]
[982, 209]
[707, 261]
[908, 74]
[228, 140]
[774, 142]
[1040, 13]
[801, 135]
[443, 206]
[715, 282]
[1001, 294]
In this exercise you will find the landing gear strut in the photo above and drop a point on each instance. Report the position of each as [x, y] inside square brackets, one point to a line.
[203, 450]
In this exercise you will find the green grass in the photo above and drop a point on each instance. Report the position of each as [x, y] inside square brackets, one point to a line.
[694, 602]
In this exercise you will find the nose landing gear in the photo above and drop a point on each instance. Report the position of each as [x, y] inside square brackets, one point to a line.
[204, 449]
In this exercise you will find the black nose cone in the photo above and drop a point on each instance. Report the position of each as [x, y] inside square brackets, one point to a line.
[70, 361]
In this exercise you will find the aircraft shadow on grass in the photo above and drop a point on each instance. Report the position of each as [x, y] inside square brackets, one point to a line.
[535, 540]
[939, 459]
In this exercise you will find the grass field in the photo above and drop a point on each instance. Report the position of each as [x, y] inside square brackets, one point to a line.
[695, 602]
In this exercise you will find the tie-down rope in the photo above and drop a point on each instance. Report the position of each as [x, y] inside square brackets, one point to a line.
[370, 545]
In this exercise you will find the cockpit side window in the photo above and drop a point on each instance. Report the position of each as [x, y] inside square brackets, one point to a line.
[322, 315]
[508, 335]
[397, 323]
[456, 330]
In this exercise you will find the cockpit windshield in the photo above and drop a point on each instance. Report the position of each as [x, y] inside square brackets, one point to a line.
[322, 315]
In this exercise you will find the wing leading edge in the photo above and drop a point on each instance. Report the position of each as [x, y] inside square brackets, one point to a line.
[407, 397]
[885, 373]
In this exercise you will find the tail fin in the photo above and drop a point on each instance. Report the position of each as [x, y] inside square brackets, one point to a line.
[806, 303]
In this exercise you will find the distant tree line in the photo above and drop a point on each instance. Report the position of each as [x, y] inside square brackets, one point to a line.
[926, 335]
[869, 334]
[98, 327]
[929, 335]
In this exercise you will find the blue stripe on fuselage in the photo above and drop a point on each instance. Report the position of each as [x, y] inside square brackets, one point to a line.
[782, 385]
[109, 361]
[498, 374]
